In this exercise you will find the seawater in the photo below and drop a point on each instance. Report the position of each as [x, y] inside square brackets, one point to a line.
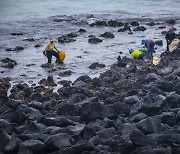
[34, 18]
[12, 10]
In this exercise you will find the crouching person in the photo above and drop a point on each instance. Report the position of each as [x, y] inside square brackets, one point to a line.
[136, 54]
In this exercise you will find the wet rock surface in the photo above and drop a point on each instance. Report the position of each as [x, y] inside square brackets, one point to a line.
[94, 40]
[96, 65]
[17, 48]
[65, 39]
[9, 63]
[139, 28]
[107, 35]
[131, 108]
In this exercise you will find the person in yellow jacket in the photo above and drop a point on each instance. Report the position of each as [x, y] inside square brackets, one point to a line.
[136, 54]
[49, 51]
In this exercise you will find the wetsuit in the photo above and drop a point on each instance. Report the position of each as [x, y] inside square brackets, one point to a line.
[50, 52]
[149, 44]
[169, 37]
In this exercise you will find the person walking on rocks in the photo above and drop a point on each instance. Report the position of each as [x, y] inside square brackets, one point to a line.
[149, 44]
[170, 36]
[49, 51]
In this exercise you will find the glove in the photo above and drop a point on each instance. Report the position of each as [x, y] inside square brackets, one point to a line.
[169, 42]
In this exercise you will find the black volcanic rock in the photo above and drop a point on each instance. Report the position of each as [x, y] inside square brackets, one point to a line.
[94, 40]
[139, 28]
[138, 138]
[107, 35]
[95, 111]
[96, 65]
[66, 39]
[99, 23]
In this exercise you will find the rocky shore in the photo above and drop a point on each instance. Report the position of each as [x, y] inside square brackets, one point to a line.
[132, 108]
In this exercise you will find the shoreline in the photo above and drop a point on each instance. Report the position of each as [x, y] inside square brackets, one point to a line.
[81, 52]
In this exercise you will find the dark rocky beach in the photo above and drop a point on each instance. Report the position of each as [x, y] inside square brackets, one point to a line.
[131, 108]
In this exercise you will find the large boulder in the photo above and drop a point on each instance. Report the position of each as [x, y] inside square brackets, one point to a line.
[121, 108]
[139, 28]
[58, 141]
[89, 132]
[131, 100]
[84, 78]
[18, 48]
[138, 117]
[9, 63]
[94, 40]
[48, 82]
[134, 23]
[65, 39]
[13, 145]
[166, 86]
[4, 139]
[119, 144]
[126, 128]
[33, 145]
[152, 104]
[150, 124]
[96, 65]
[95, 110]
[114, 23]
[99, 23]
[168, 118]
[72, 35]
[11, 116]
[138, 138]
[173, 100]
[106, 133]
[107, 35]
[76, 130]
[67, 109]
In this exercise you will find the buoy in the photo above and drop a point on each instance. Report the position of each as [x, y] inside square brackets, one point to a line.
[155, 60]
[62, 55]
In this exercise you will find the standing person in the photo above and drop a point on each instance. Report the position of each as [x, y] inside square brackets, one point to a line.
[149, 44]
[49, 51]
[170, 36]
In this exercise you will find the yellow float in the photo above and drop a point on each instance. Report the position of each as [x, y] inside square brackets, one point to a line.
[62, 55]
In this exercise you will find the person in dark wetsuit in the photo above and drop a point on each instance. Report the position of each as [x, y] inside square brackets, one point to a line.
[170, 36]
[149, 44]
